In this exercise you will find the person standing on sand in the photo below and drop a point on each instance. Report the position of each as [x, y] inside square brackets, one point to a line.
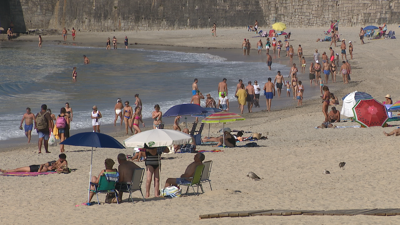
[156, 115]
[86, 60]
[333, 71]
[269, 61]
[70, 113]
[137, 118]
[250, 96]
[299, 92]
[362, 33]
[118, 111]
[128, 112]
[115, 42]
[316, 55]
[291, 53]
[293, 70]
[274, 44]
[327, 71]
[344, 71]
[343, 48]
[241, 96]
[259, 46]
[195, 88]
[43, 125]
[300, 53]
[279, 47]
[108, 44]
[288, 88]
[317, 68]
[126, 42]
[138, 102]
[332, 54]
[222, 88]
[268, 45]
[62, 124]
[74, 75]
[256, 94]
[269, 92]
[312, 74]
[210, 102]
[40, 41]
[73, 34]
[244, 46]
[29, 118]
[287, 46]
[279, 80]
[64, 33]
[303, 65]
[324, 57]
[325, 102]
[348, 70]
[333, 39]
[223, 103]
[351, 49]
[214, 30]
[96, 115]
[248, 45]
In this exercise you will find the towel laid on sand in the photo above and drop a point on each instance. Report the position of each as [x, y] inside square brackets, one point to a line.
[27, 174]
[215, 150]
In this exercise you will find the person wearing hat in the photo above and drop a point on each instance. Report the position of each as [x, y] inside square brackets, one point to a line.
[118, 111]
[343, 48]
[109, 163]
[210, 102]
[388, 100]
[223, 102]
[351, 49]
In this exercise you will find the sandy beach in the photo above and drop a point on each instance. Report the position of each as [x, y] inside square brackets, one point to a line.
[291, 162]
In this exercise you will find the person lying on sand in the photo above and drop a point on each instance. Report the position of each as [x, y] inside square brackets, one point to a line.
[58, 165]
[188, 147]
[189, 172]
[229, 139]
[395, 132]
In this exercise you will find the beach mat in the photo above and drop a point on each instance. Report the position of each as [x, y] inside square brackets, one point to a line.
[26, 174]
[355, 126]
[215, 150]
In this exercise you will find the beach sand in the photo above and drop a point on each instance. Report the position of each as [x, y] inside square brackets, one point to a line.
[291, 162]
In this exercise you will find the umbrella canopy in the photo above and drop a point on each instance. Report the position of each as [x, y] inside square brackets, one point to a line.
[184, 109]
[158, 138]
[279, 26]
[395, 106]
[370, 27]
[350, 100]
[92, 139]
[370, 113]
[222, 117]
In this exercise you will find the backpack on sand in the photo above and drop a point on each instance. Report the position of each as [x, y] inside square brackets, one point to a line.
[60, 122]
[41, 121]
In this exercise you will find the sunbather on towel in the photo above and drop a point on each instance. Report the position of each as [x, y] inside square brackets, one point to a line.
[49, 166]
[230, 141]
[395, 132]
[189, 172]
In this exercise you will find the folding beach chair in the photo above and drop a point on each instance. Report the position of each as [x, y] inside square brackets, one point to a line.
[195, 180]
[197, 137]
[389, 35]
[205, 177]
[135, 184]
[106, 185]
[191, 133]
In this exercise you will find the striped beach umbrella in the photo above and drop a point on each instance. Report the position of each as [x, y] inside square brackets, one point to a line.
[222, 117]
[395, 106]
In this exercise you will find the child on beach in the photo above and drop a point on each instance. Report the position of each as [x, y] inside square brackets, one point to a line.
[288, 88]
[74, 74]
[321, 84]
[303, 65]
[299, 93]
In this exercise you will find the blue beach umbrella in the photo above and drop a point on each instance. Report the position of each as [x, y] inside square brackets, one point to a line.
[184, 110]
[359, 96]
[94, 140]
[370, 27]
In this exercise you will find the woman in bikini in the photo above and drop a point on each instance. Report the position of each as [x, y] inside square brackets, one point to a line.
[157, 117]
[291, 53]
[333, 71]
[128, 111]
[115, 42]
[153, 163]
[294, 85]
[274, 45]
[279, 49]
[137, 118]
[108, 44]
[325, 102]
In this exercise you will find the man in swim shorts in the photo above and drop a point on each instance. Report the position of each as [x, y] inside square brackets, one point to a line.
[189, 172]
[269, 60]
[118, 111]
[327, 71]
[195, 89]
[29, 118]
[244, 46]
[269, 92]
[49, 166]
[250, 96]
[343, 47]
[222, 88]
[279, 80]
[196, 98]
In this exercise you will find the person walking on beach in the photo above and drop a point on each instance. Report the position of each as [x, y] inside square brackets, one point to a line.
[73, 34]
[362, 33]
[43, 125]
[300, 53]
[348, 70]
[351, 49]
[29, 118]
[195, 88]
[344, 71]
[317, 68]
[70, 113]
[325, 102]
[316, 55]
[96, 115]
[333, 39]
[291, 53]
[126, 42]
[287, 46]
[118, 111]
[85, 60]
[259, 46]
[256, 94]
[238, 86]
[333, 71]
[250, 96]
[274, 44]
[327, 71]
[312, 74]
[128, 112]
[268, 45]
[137, 118]
[62, 124]
[299, 92]
[40, 41]
[108, 44]
[156, 115]
[303, 65]
[278, 81]
[138, 102]
[64, 33]
[74, 74]
[293, 70]
[214, 30]
[343, 48]
[244, 46]
[279, 47]
[269, 61]
[222, 88]
[115, 42]
[241, 96]
[248, 45]
[269, 92]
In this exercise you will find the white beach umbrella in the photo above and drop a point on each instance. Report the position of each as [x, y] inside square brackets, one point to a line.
[158, 138]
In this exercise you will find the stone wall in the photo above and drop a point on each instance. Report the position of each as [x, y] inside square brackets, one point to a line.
[107, 15]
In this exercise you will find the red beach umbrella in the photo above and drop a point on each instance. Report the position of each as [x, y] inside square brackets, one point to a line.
[370, 112]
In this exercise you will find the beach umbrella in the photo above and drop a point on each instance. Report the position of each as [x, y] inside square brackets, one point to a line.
[94, 140]
[370, 113]
[222, 117]
[279, 26]
[370, 27]
[158, 138]
[207, 112]
[184, 110]
[350, 100]
[395, 106]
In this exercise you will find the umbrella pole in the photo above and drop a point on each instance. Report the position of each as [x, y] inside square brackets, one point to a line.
[209, 127]
[186, 121]
[223, 135]
[90, 175]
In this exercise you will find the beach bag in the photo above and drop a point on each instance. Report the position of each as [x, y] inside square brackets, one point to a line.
[171, 192]
[41, 121]
[60, 122]
[52, 139]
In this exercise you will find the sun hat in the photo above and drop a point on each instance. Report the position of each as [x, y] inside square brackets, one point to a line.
[388, 96]
[349, 41]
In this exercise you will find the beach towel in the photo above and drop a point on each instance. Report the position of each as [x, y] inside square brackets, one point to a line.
[215, 150]
[26, 174]
[355, 126]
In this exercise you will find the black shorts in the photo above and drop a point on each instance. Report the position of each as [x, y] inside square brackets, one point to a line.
[121, 186]
[279, 85]
[269, 63]
[34, 168]
[361, 37]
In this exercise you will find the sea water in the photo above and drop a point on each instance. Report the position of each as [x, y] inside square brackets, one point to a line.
[32, 76]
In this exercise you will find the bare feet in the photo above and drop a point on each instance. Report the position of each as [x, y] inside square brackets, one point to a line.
[385, 133]
[47, 152]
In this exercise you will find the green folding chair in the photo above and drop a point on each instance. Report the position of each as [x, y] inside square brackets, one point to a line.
[106, 185]
[196, 179]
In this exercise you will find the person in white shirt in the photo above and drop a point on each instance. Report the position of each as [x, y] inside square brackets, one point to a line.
[257, 94]
[223, 102]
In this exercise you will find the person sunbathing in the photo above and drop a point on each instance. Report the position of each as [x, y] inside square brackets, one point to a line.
[229, 139]
[395, 132]
[58, 165]
[188, 147]
[189, 172]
